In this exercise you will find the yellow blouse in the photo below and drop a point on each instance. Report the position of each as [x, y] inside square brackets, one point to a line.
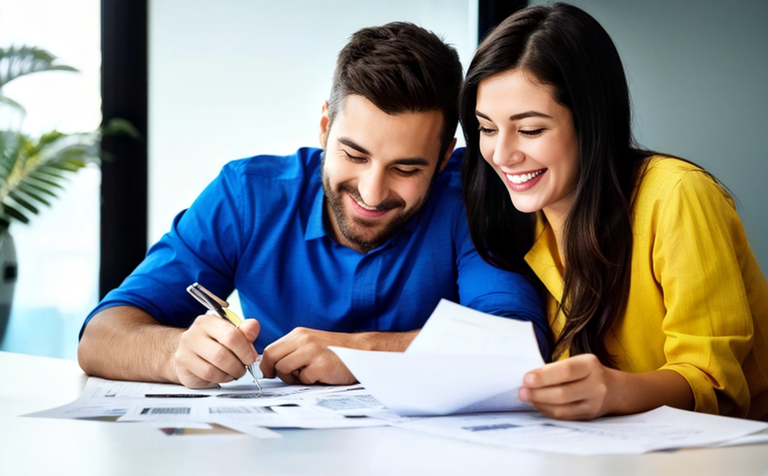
[698, 302]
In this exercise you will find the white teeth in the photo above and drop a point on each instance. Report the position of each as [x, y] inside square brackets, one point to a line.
[518, 179]
[362, 205]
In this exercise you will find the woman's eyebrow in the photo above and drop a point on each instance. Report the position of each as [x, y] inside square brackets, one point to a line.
[517, 117]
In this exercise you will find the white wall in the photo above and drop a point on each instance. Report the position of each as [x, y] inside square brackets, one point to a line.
[235, 78]
[697, 72]
[58, 252]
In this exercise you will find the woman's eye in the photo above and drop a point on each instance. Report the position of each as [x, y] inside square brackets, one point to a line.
[531, 133]
[486, 131]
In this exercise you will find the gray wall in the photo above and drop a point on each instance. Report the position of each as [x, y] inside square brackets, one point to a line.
[697, 72]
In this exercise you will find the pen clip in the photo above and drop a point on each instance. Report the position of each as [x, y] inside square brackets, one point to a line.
[207, 299]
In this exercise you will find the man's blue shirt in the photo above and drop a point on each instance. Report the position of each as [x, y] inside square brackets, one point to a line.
[259, 228]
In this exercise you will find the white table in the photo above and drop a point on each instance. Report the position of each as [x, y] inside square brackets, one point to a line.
[40, 446]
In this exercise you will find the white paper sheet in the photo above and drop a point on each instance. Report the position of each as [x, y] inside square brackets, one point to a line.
[238, 405]
[659, 429]
[461, 361]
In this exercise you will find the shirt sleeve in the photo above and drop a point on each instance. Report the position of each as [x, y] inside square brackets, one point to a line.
[708, 323]
[202, 246]
[489, 289]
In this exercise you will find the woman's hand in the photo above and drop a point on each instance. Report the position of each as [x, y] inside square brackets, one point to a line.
[581, 388]
[578, 388]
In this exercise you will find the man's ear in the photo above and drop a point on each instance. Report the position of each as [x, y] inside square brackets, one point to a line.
[324, 122]
[447, 156]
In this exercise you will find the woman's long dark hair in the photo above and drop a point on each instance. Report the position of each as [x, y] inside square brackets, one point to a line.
[565, 48]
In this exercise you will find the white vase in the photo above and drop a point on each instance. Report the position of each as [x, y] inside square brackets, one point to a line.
[8, 272]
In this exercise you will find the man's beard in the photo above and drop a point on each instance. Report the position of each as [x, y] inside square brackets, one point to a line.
[354, 228]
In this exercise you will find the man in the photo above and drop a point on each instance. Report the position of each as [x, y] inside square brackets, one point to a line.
[352, 245]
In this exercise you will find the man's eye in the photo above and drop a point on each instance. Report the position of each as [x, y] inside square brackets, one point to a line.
[353, 158]
[408, 172]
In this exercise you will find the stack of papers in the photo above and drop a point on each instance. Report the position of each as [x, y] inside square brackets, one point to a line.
[458, 379]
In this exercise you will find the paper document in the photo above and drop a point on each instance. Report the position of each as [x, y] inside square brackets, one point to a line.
[462, 361]
[660, 429]
[238, 405]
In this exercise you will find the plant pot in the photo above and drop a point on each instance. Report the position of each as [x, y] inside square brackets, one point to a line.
[8, 272]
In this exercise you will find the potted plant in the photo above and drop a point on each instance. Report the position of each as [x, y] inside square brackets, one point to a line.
[34, 168]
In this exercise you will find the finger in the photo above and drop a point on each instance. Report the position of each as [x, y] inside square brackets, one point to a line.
[292, 378]
[216, 362]
[327, 368]
[195, 372]
[236, 342]
[294, 364]
[564, 371]
[274, 353]
[564, 394]
[581, 410]
[205, 350]
[250, 329]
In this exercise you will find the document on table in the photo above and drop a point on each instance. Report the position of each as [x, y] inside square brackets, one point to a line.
[660, 429]
[462, 361]
[238, 405]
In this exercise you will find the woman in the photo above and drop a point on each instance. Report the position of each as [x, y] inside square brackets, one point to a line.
[654, 296]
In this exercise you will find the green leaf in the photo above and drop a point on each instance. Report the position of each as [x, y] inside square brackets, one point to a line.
[13, 213]
[31, 188]
[48, 179]
[24, 203]
[18, 61]
[25, 189]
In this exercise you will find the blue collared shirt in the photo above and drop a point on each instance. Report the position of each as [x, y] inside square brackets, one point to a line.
[259, 228]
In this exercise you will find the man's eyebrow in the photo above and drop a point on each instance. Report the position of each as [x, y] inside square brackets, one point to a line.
[415, 161]
[354, 145]
[517, 117]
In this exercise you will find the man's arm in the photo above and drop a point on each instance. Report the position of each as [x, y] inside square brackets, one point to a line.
[126, 343]
[302, 356]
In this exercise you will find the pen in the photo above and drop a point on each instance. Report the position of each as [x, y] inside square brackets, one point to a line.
[213, 303]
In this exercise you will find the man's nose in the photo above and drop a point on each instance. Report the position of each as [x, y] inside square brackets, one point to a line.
[373, 187]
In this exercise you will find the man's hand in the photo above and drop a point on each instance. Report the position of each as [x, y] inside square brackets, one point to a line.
[213, 351]
[302, 356]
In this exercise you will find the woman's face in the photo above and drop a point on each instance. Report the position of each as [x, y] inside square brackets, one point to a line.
[530, 140]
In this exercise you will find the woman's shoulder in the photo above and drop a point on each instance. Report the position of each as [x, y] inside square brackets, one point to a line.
[664, 165]
[664, 172]
[663, 179]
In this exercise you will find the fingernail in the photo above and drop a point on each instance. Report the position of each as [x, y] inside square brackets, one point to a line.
[524, 395]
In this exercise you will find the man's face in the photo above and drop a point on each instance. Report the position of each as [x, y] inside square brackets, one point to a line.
[377, 169]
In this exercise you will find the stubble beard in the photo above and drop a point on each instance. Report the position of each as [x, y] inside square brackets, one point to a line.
[361, 232]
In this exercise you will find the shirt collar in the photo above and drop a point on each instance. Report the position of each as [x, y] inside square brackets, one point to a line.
[315, 226]
[543, 258]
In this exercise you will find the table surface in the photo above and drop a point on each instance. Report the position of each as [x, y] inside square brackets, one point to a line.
[38, 446]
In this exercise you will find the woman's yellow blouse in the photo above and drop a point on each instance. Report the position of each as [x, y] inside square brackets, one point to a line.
[698, 302]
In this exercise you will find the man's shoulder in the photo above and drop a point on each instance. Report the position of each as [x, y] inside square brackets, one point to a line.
[450, 177]
[297, 166]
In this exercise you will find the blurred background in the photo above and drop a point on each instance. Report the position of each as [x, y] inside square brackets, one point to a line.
[234, 78]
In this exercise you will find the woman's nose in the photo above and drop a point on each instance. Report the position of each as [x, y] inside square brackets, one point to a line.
[507, 153]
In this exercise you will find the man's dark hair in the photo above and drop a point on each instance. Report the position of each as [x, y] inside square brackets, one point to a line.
[400, 68]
